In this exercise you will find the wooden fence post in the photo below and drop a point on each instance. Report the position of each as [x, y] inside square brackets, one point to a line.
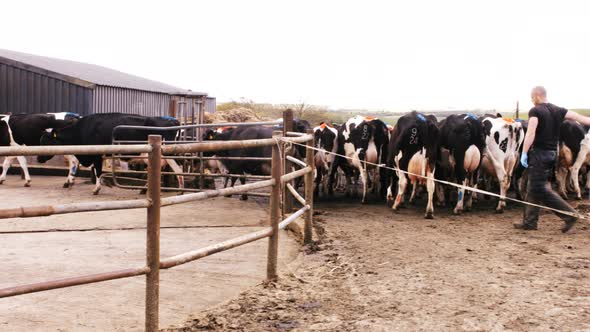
[309, 186]
[275, 210]
[152, 284]
[287, 126]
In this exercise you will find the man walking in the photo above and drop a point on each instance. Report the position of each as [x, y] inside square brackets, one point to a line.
[539, 154]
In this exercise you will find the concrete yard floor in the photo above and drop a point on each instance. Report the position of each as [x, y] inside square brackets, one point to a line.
[39, 249]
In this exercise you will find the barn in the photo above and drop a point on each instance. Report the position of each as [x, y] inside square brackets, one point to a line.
[37, 84]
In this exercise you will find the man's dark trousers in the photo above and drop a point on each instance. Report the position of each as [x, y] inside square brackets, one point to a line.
[539, 189]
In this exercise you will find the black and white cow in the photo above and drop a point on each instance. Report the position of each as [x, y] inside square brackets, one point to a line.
[574, 153]
[326, 141]
[27, 129]
[364, 141]
[462, 140]
[97, 129]
[413, 148]
[504, 137]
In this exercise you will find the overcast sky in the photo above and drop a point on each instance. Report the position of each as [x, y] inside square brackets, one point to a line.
[395, 55]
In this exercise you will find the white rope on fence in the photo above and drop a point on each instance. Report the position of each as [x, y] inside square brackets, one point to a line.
[568, 213]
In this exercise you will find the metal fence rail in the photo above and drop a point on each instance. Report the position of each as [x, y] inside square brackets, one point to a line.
[154, 202]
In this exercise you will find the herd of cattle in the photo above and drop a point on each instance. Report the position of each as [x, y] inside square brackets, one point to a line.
[464, 149]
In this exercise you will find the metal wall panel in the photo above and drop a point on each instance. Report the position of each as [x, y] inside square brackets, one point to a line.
[111, 100]
[23, 91]
[210, 104]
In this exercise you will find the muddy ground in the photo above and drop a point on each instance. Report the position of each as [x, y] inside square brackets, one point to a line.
[39, 249]
[373, 270]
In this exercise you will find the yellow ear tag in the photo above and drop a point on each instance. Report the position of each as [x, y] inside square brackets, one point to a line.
[54, 135]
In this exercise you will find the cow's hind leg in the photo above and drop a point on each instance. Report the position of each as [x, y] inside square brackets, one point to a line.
[504, 184]
[561, 177]
[98, 174]
[97, 187]
[470, 195]
[460, 195]
[440, 194]
[244, 196]
[73, 165]
[414, 195]
[5, 167]
[23, 164]
[364, 176]
[575, 181]
[430, 186]
[317, 182]
[402, 183]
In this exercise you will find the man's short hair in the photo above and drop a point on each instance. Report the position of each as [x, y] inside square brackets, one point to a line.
[540, 90]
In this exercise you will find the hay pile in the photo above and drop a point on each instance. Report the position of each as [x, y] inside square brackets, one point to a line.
[240, 114]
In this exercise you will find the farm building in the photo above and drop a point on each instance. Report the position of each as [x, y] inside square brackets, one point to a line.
[37, 84]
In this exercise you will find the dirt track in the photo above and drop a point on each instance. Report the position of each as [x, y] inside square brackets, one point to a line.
[378, 271]
[75, 248]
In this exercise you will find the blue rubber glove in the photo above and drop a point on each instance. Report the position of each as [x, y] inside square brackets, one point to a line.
[524, 160]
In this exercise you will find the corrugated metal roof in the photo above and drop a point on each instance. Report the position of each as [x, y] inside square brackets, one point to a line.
[93, 74]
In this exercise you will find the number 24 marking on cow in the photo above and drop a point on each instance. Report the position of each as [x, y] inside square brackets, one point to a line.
[365, 133]
[413, 136]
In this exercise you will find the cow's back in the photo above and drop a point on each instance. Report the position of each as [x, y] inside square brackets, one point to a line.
[97, 129]
[27, 129]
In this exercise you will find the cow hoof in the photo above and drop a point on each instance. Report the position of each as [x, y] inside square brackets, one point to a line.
[578, 198]
[95, 192]
[66, 185]
[499, 211]
[143, 191]
[243, 198]
[457, 211]
[1, 181]
[364, 202]
[429, 215]
[27, 184]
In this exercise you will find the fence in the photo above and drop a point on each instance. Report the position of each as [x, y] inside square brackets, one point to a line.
[154, 263]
